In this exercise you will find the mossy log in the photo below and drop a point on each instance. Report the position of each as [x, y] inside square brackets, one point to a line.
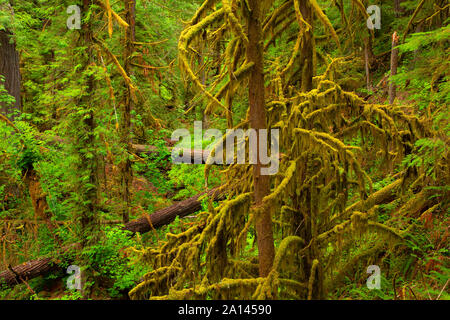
[167, 215]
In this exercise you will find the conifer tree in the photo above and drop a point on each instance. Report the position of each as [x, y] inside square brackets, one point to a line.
[127, 107]
[85, 125]
[258, 121]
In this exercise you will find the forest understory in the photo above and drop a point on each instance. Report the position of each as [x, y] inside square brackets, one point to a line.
[224, 150]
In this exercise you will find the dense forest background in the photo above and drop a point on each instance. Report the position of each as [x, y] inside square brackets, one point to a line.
[92, 90]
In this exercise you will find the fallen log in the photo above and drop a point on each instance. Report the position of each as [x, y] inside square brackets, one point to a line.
[140, 149]
[31, 269]
[26, 271]
[195, 155]
[42, 266]
[167, 215]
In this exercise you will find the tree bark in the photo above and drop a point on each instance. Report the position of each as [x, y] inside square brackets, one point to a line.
[39, 200]
[167, 215]
[307, 50]
[126, 172]
[152, 150]
[26, 271]
[263, 219]
[86, 141]
[9, 66]
[367, 51]
[311, 269]
[397, 8]
[394, 65]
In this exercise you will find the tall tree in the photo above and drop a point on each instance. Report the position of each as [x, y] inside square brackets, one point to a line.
[126, 108]
[394, 66]
[308, 46]
[9, 62]
[258, 121]
[84, 126]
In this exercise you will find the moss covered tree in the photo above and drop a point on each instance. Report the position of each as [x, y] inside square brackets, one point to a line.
[84, 133]
[128, 105]
[311, 201]
[361, 181]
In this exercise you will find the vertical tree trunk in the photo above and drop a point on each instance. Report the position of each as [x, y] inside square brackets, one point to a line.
[263, 220]
[203, 74]
[394, 65]
[9, 65]
[126, 128]
[367, 51]
[39, 201]
[419, 28]
[306, 230]
[85, 145]
[83, 131]
[307, 50]
[397, 8]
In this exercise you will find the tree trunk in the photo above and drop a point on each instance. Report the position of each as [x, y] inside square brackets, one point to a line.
[263, 219]
[311, 269]
[26, 271]
[125, 135]
[39, 200]
[367, 60]
[203, 74]
[9, 66]
[140, 149]
[86, 141]
[307, 50]
[394, 65]
[397, 9]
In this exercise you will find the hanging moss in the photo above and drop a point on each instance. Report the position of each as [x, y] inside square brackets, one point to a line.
[309, 198]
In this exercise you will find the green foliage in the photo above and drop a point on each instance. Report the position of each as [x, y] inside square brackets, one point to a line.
[421, 40]
[72, 295]
[5, 99]
[192, 179]
[424, 75]
[344, 151]
[427, 152]
[361, 292]
[112, 258]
